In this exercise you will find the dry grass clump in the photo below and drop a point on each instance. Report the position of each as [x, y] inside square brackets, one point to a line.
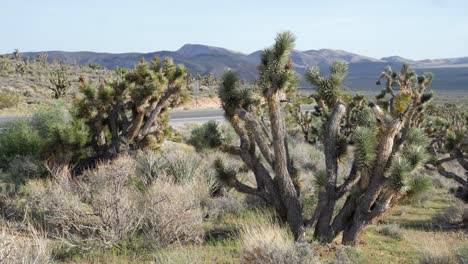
[437, 251]
[267, 243]
[27, 247]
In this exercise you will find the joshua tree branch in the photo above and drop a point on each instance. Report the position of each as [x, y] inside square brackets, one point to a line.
[447, 174]
[350, 181]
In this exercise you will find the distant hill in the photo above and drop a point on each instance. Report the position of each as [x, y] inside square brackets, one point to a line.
[202, 59]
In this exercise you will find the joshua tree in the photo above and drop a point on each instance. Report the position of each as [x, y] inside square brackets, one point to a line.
[387, 149]
[17, 55]
[131, 112]
[42, 58]
[447, 127]
[241, 108]
[60, 81]
[21, 67]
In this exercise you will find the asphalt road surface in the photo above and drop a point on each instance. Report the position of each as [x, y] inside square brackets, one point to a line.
[178, 117]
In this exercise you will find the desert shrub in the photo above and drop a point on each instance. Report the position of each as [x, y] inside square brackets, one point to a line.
[51, 136]
[28, 247]
[105, 208]
[22, 168]
[46, 117]
[56, 207]
[267, 242]
[18, 139]
[308, 157]
[462, 254]
[211, 135]
[391, 230]
[172, 213]
[206, 136]
[9, 99]
[218, 207]
[66, 143]
[348, 255]
[109, 191]
[449, 216]
[98, 210]
[64, 138]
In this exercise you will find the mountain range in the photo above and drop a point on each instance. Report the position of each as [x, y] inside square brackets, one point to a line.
[449, 73]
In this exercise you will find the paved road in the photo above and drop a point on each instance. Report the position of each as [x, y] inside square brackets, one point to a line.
[178, 117]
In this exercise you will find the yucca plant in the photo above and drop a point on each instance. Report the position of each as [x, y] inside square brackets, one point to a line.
[388, 149]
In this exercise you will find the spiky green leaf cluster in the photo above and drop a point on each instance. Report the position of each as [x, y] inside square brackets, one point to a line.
[320, 179]
[454, 138]
[233, 95]
[416, 156]
[400, 174]
[328, 88]
[341, 146]
[276, 69]
[362, 117]
[409, 159]
[67, 142]
[365, 141]
[427, 97]
[224, 174]
[417, 137]
[418, 185]
[425, 79]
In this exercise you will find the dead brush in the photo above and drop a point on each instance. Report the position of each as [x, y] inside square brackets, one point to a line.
[28, 246]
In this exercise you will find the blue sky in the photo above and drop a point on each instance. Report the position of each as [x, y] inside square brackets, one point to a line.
[416, 29]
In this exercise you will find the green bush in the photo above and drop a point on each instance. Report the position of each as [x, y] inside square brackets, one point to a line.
[462, 254]
[18, 139]
[46, 117]
[51, 136]
[9, 99]
[391, 230]
[66, 143]
[207, 136]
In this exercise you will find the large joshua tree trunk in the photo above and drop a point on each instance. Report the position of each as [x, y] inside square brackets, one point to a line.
[283, 179]
[328, 198]
[375, 200]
